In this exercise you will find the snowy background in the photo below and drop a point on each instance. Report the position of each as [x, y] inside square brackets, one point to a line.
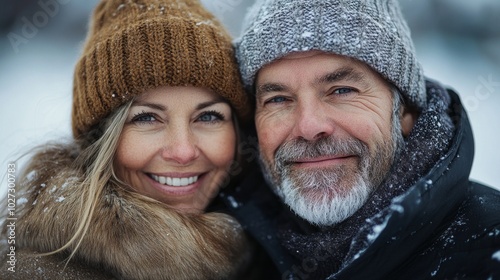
[457, 41]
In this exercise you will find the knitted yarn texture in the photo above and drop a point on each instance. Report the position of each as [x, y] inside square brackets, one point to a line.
[136, 45]
[372, 31]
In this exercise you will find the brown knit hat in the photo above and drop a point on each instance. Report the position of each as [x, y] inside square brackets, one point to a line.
[136, 45]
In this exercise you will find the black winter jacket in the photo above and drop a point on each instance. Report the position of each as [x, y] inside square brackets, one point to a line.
[443, 227]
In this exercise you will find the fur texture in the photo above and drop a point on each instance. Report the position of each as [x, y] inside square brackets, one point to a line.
[131, 236]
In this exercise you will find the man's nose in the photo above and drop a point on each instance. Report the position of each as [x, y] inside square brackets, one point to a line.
[312, 120]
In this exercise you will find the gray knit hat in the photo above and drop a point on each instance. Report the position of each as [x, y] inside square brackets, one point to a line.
[372, 31]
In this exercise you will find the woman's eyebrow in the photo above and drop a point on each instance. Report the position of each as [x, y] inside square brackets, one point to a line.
[150, 105]
[209, 103]
[160, 107]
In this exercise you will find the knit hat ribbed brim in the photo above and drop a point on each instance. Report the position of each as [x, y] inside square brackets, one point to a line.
[138, 45]
[372, 31]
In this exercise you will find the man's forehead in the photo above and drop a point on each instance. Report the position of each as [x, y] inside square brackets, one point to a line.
[317, 55]
[328, 62]
[302, 54]
[332, 63]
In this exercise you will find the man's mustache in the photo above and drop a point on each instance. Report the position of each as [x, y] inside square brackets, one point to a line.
[331, 146]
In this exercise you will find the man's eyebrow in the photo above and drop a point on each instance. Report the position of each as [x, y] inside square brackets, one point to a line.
[342, 74]
[269, 87]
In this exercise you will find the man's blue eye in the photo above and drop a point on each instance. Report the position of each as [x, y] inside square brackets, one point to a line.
[277, 99]
[343, 90]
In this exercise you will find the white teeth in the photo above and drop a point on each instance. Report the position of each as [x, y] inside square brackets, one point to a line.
[184, 181]
[175, 182]
[162, 180]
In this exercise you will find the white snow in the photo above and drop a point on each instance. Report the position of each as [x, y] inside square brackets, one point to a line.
[398, 208]
[121, 6]
[53, 190]
[60, 199]
[233, 202]
[434, 273]
[31, 176]
[358, 254]
[22, 200]
[307, 34]
[376, 230]
[36, 84]
[206, 22]
[69, 182]
[496, 256]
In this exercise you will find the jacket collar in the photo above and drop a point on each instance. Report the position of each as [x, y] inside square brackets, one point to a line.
[411, 217]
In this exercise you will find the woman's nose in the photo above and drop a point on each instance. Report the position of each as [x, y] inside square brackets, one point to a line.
[180, 146]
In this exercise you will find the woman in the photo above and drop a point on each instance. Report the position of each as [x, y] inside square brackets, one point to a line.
[155, 101]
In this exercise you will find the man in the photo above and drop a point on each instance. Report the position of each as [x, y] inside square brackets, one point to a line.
[371, 159]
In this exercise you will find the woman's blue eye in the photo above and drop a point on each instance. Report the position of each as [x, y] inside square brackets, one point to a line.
[144, 118]
[210, 116]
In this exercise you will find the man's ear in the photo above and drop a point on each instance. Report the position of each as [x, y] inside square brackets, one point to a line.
[408, 119]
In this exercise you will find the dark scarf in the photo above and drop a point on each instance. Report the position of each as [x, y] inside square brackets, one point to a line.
[427, 143]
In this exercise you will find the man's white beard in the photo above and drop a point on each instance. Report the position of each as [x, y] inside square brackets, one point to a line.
[327, 209]
[327, 196]
[320, 199]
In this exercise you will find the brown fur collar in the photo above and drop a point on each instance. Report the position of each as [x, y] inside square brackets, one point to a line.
[131, 236]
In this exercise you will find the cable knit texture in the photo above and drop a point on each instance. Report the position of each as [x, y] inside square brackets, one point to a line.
[136, 45]
[373, 31]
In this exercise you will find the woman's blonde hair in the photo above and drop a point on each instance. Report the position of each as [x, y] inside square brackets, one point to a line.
[95, 161]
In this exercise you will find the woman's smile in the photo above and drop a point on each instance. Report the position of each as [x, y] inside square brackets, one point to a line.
[176, 186]
[175, 181]
[176, 128]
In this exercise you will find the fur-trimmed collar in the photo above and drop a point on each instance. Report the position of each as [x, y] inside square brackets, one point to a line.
[131, 236]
